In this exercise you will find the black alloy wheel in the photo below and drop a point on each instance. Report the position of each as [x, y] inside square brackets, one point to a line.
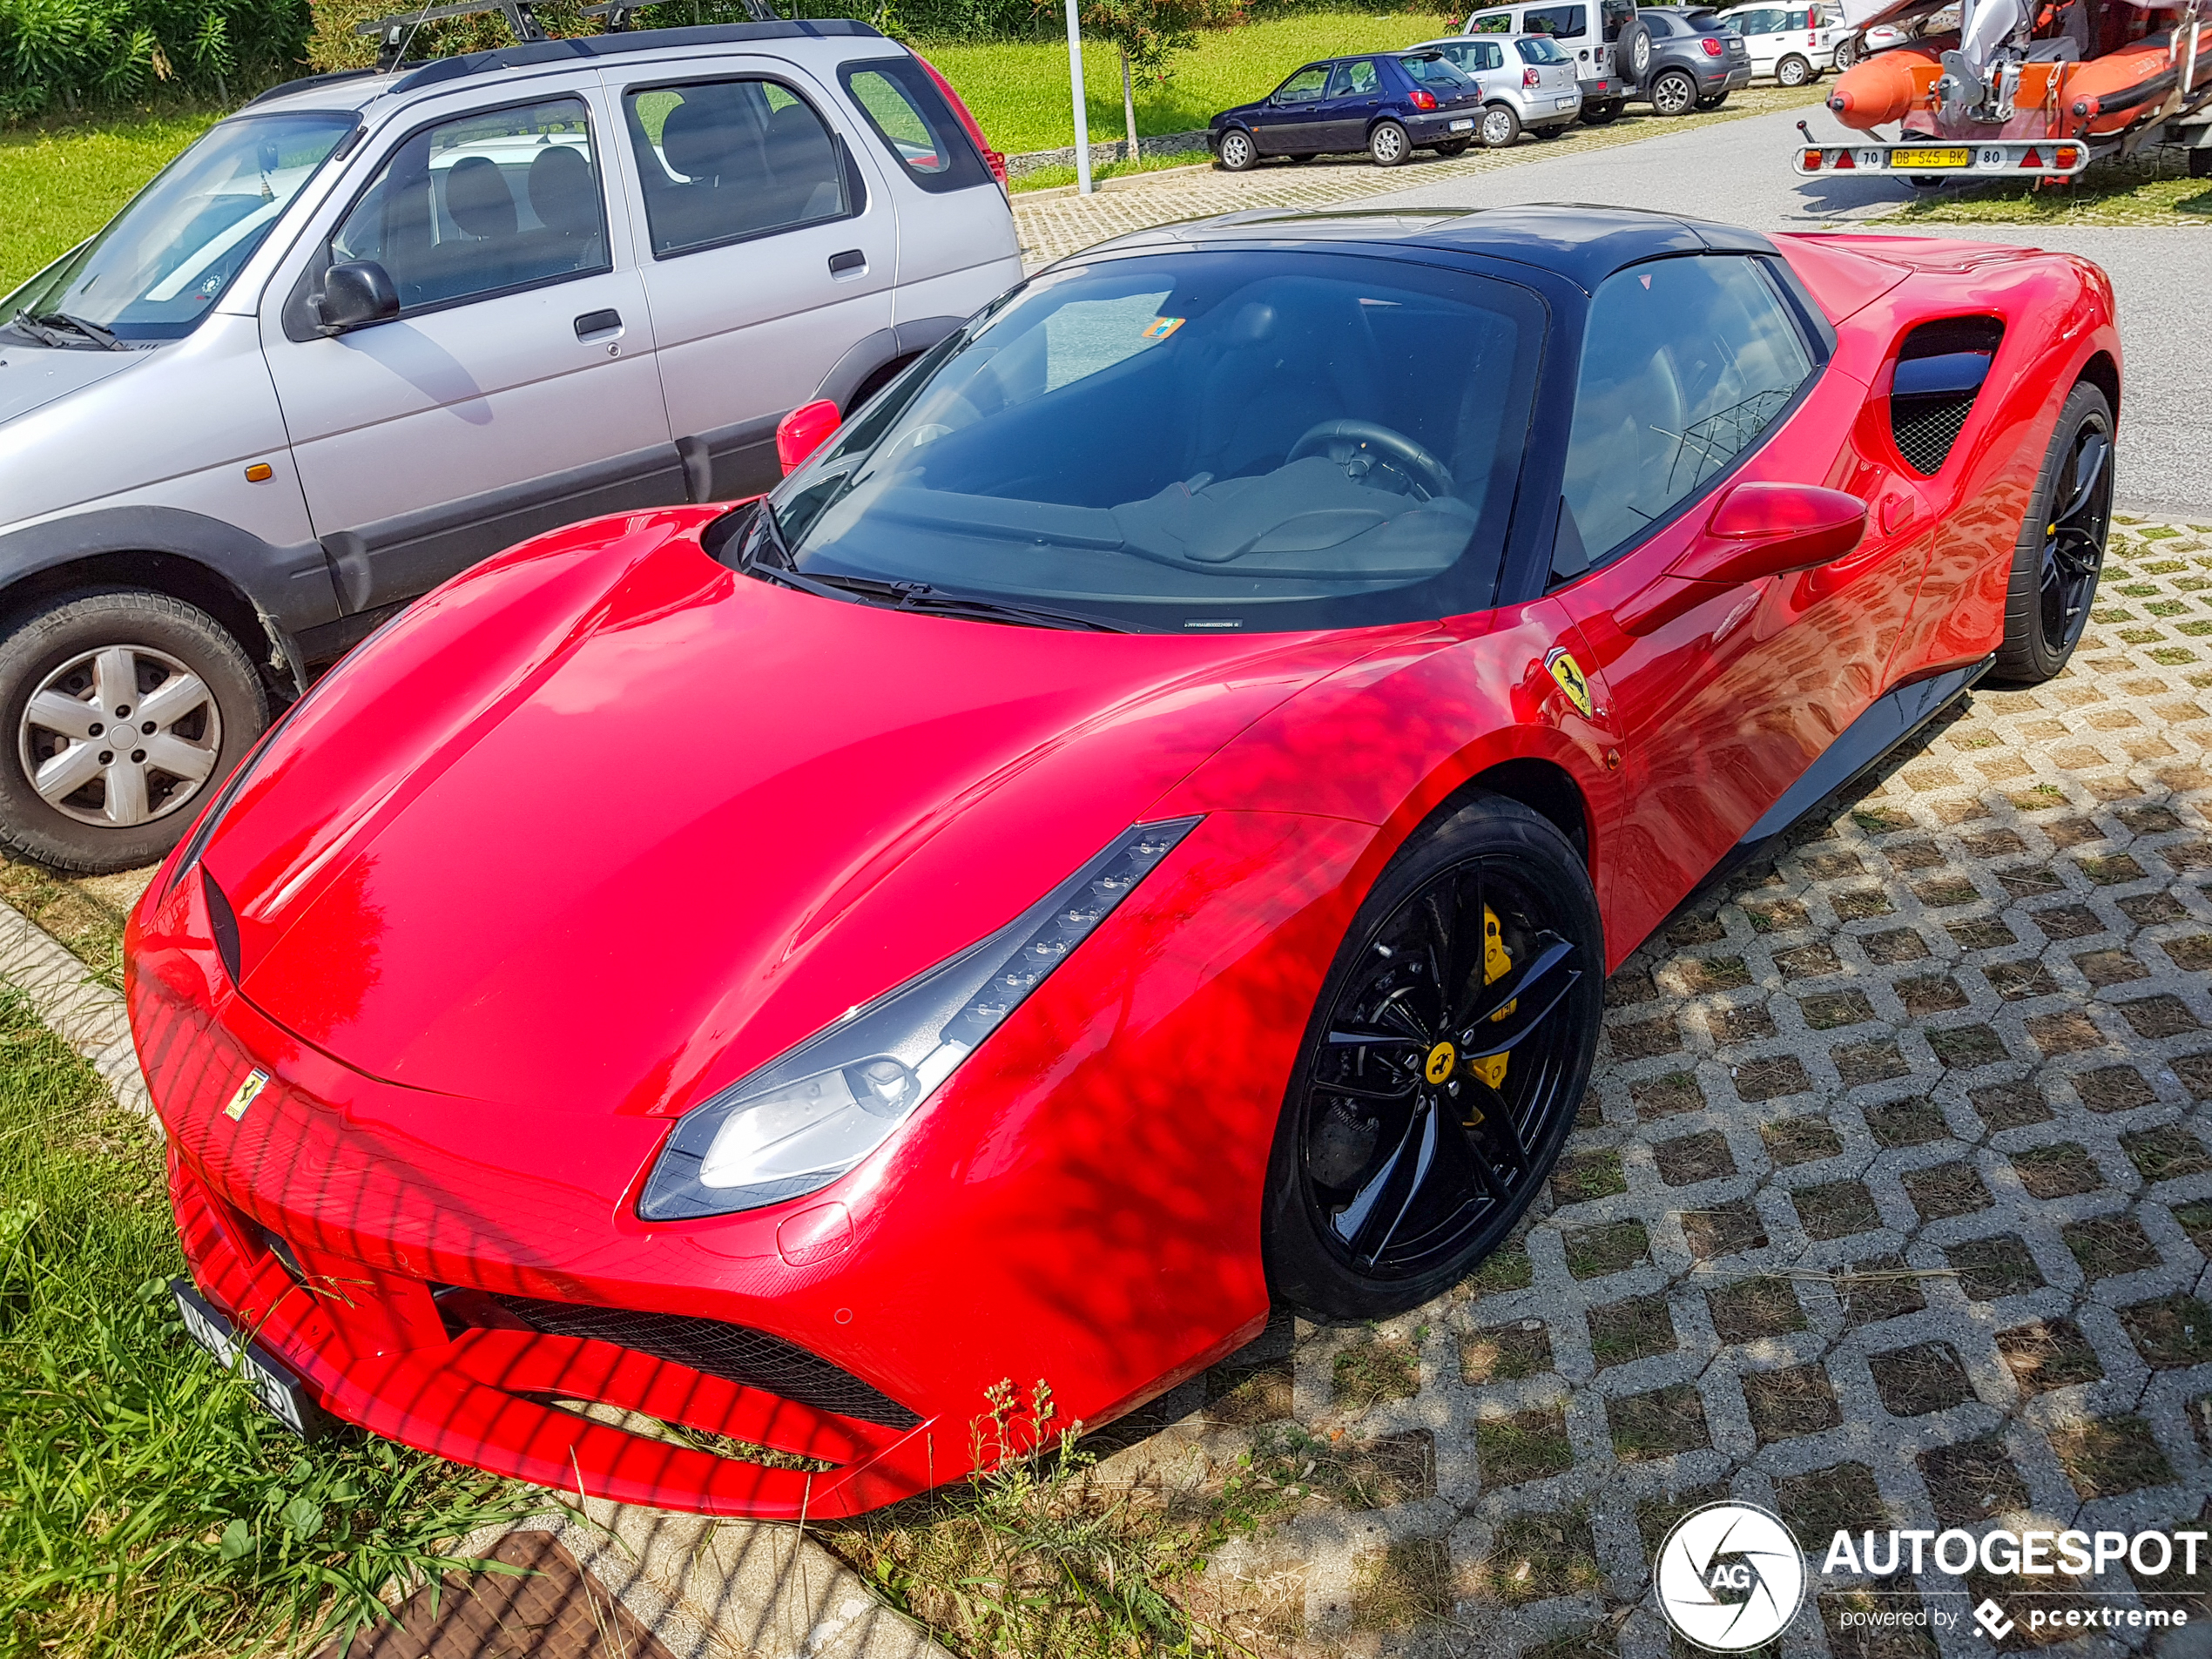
[1448, 1055]
[2061, 546]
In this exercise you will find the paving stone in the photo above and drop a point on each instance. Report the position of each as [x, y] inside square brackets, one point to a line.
[1788, 1403]
[1971, 1482]
[1926, 1378]
[2048, 1354]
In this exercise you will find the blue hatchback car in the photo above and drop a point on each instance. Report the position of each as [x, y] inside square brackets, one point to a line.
[1387, 103]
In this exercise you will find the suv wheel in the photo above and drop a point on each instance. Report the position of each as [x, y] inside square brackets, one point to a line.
[1792, 71]
[1635, 50]
[1236, 153]
[1387, 144]
[1674, 93]
[127, 709]
[1499, 127]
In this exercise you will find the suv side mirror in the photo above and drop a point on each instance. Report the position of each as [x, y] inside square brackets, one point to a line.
[806, 429]
[355, 294]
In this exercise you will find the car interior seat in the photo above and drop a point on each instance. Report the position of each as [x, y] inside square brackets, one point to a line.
[564, 197]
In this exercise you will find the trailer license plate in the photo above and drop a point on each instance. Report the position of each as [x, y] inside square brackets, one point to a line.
[1463, 126]
[275, 1386]
[1945, 158]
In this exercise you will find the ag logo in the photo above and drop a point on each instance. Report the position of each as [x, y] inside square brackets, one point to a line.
[1560, 664]
[1730, 1577]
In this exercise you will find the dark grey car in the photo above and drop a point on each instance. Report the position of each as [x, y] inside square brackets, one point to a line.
[1680, 58]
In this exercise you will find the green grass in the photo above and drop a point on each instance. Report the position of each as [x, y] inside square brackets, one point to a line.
[146, 1505]
[2151, 187]
[60, 181]
[1019, 90]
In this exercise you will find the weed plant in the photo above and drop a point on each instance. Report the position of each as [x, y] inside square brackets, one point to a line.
[147, 1505]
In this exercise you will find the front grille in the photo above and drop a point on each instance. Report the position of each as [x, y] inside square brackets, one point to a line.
[751, 1359]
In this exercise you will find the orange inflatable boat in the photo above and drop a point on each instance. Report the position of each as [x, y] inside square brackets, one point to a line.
[2051, 100]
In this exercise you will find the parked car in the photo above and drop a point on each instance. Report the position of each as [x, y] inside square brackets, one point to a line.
[1527, 83]
[378, 325]
[1795, 44]
[1387, 103]
[1133, 832]
[1853, 44]
[1682, 57]
[1585, 31]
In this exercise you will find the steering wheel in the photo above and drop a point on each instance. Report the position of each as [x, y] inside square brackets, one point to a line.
[1351, 444]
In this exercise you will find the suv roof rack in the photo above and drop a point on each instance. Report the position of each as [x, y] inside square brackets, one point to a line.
[637, 40]
[393, 33]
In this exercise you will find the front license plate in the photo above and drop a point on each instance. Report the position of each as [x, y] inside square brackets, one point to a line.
[1960, 156]
[1463, 126]
[272, 1384]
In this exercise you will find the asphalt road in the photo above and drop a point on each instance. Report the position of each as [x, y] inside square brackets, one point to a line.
[1740, 172]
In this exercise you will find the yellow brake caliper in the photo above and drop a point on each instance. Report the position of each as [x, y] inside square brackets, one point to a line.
[1497, 962]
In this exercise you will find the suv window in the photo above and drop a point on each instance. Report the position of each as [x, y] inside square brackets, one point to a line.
[1355, 76]
[1494, 23]
[723, 160]
[483, 205]
[910, 115]
[1614, 13]
[1571, 21]
[1660, 25]
[1686, 362]
[1305, 86]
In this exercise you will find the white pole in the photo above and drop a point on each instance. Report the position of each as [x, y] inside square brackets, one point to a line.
[1082, 120]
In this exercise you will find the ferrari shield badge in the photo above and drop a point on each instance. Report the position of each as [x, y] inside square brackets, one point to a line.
[249, 1092]
[1568, 673]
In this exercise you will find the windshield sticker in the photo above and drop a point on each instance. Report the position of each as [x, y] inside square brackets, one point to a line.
[1161, 328]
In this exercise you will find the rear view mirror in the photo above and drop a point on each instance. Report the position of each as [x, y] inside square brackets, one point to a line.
[354, 294]
[806, 429]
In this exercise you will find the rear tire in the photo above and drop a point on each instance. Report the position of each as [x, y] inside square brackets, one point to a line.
[1714, 102]
[1603, 112]
[1497, 126]
[1846, 55]
[1457, 147]
[2061, 546]
[1672, 93]
[1236, 153]
[1792, 71]
[129, 810]
[1334, 1161]
[1387, 144]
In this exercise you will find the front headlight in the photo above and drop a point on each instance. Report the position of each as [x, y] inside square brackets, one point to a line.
[802, 1121]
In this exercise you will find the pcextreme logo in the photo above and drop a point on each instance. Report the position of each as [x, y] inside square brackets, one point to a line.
[1730, 1577]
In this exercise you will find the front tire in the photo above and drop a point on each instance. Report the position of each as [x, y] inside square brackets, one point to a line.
[88, 787]
[1237, 152]
[1792, 71]
[1674, 93]
[1498, 126]
[1397, 1166]
[1387, 144]
[2061, 545]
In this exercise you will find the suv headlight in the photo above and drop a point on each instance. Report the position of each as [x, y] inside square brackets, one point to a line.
[801, 1121]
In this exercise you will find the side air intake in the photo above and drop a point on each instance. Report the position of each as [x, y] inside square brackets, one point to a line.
[1940, 369]
[751, 1358]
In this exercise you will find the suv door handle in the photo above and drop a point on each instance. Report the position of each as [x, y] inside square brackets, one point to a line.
[850, 259]
[594, 323]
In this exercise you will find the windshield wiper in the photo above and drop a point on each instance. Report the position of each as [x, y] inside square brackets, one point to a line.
[91, 331]
[24, 322]
[919, 595]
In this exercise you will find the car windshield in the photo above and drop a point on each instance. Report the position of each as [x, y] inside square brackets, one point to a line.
[1225, 439]
[1429, 69]
[1541, 49]
[161, 264]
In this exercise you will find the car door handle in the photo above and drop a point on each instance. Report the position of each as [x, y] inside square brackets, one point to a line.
[1897, 512]
[851, 260]
[592, 324]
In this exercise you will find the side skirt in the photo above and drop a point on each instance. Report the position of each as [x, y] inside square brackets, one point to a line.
[1889, 721]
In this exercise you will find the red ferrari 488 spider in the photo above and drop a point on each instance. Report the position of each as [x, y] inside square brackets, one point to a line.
[1133, 828]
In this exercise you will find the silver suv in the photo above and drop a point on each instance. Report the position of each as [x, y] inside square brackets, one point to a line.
[379, 325]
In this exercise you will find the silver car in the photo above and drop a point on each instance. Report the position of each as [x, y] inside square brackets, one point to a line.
[1527, 83]
[378, 325]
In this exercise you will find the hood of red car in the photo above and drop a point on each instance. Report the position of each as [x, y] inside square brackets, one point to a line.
[615, 826]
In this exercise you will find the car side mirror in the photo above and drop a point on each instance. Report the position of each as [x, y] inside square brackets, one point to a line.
[354, 294]
[806, 429]
[1756, 530]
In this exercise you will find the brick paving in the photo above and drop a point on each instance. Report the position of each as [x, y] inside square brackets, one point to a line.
[1890, 1204]
[1059, 226]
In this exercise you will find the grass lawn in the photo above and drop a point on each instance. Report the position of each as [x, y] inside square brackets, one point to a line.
[1019, 90]
[60, 181]
[2151, 187]
[147, 1507]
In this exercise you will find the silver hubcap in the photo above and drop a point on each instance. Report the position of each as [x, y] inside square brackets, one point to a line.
[1495, 127]
[1387, 143]
[1793, 73]
[119, 736]
[1235, 149]
[1674, 97]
